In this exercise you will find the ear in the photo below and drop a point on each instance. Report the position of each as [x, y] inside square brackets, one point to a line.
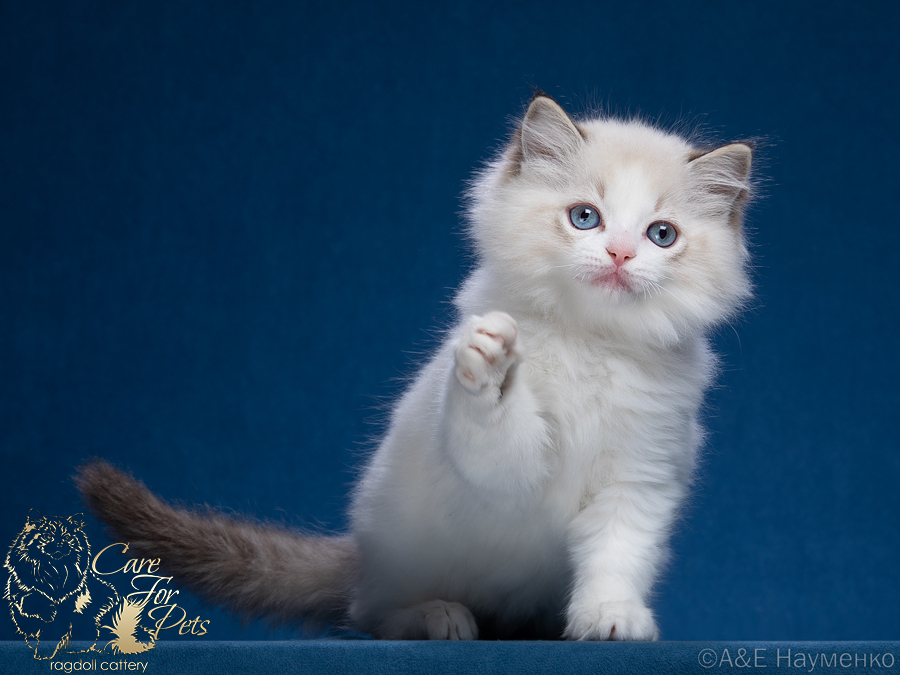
[77, 520]
[34, 516]
[722, 175]
[547, 131]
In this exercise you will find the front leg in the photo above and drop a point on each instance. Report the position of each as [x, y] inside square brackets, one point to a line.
[617, 545]
[491, 426]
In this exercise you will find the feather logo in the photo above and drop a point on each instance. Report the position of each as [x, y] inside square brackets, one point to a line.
[126, 627]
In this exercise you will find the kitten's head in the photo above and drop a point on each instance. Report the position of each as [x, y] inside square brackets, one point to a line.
[615, 224]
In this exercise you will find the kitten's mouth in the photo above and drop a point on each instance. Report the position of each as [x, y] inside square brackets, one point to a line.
[615, 280]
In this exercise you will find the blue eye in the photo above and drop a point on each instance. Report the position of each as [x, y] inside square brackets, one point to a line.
[584, 217]
[662, 233]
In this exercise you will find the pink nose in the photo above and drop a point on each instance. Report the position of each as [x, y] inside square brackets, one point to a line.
[620, 252]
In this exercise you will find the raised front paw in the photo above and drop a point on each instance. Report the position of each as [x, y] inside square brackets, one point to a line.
[485, 351]
[612, 621]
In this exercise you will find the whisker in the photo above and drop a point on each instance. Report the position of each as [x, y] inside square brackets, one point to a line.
[683, 303]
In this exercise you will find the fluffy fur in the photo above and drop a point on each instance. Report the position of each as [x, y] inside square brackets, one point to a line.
[531, 474]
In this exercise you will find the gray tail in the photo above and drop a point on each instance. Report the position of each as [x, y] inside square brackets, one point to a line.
[257, 570]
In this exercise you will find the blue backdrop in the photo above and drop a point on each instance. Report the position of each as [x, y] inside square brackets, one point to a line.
[227, 230]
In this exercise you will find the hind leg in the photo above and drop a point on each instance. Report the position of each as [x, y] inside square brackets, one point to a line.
[434, 620]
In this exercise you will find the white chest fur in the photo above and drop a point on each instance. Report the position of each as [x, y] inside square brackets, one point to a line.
[617, 411]
[460, 505]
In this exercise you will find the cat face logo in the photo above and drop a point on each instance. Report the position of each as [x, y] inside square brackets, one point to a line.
[55, 597]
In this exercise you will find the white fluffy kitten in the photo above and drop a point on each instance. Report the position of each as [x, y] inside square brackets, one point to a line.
[531, 474]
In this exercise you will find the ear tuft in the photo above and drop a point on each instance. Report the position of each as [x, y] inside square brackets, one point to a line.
[722, 175]
[547, 131]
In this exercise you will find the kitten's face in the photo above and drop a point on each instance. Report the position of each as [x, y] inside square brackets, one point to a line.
[615, 222]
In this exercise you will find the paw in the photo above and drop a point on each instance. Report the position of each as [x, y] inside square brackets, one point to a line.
[485, 352]
[434, 620]
[612, 621]
[448, 621]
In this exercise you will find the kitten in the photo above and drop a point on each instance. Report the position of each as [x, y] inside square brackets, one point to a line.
[531, 474]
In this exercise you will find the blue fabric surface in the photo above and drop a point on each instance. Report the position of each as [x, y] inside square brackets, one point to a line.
[329, 657]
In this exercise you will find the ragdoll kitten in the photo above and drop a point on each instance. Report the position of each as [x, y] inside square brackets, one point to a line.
[532, 472]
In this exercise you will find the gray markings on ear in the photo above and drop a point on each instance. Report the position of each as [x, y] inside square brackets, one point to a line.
[547, 131]
[722, 177]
